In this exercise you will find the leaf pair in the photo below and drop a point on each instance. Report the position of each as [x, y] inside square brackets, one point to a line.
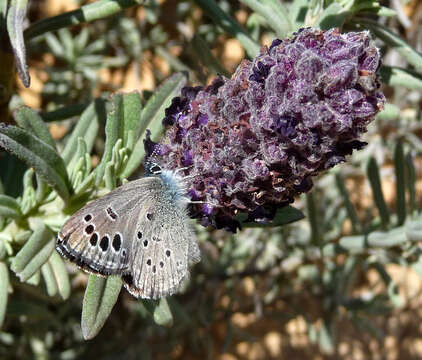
[33, 144]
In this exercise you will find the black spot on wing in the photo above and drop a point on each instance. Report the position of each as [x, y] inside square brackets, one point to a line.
[117, 242]
[111, 213]
[93, 239]
[89, 229]
[104, 243]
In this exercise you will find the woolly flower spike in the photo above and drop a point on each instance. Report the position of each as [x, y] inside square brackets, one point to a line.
[251, 143]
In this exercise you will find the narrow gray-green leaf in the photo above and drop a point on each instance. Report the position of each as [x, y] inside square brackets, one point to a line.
[60, 274]
[411, 181]
[29, 119]
[399, 166]
[100, 296]
[390, 112]
[325, 338]
[3, 12]
[3, 249]
[348, 204]
[314, 220]
[385, 239]
[110, 177]
[414, 230]
[385, 11]
[55, 46]
[395, 76]
[152, 115]
[66, 39]
[353, 243]
[221, 18]
[132, 108]
[86, 128]
[409, 53]
[81, 40]
[50, 281]
[159, 310]
[114, 132]
[375, 181]
[15, 19]
[42, 188]
[9, 207]
[35, 279]
[64, 112]
[4, 286]
[297, 12]
[22, 236]
[274, 13]
[37, 154]
[333, 16]
[162, 313]
[34, 253]
[78, 161]
[392, 288]
[375, 239]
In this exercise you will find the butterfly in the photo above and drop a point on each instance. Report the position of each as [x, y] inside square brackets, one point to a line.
[140, 231]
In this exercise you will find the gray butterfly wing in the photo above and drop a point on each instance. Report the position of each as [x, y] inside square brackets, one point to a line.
[98, 237]
[164, 247]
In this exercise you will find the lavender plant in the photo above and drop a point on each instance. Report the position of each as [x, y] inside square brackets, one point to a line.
[249, 144]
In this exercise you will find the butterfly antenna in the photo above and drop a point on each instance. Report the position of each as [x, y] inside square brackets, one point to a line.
[151, 164]
[203, 202]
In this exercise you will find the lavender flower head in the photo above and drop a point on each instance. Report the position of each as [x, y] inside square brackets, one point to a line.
[253, 142]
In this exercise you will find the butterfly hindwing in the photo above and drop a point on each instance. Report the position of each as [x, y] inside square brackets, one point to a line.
[163, 238]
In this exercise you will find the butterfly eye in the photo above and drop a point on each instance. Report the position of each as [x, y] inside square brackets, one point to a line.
[88, 218]
[155, 169]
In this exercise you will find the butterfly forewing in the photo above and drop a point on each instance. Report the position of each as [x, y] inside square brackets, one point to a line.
[96, 236]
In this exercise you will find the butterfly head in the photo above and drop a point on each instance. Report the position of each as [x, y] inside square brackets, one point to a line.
[176, 183]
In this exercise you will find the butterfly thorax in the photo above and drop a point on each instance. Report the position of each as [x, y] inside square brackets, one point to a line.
[174, 187]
